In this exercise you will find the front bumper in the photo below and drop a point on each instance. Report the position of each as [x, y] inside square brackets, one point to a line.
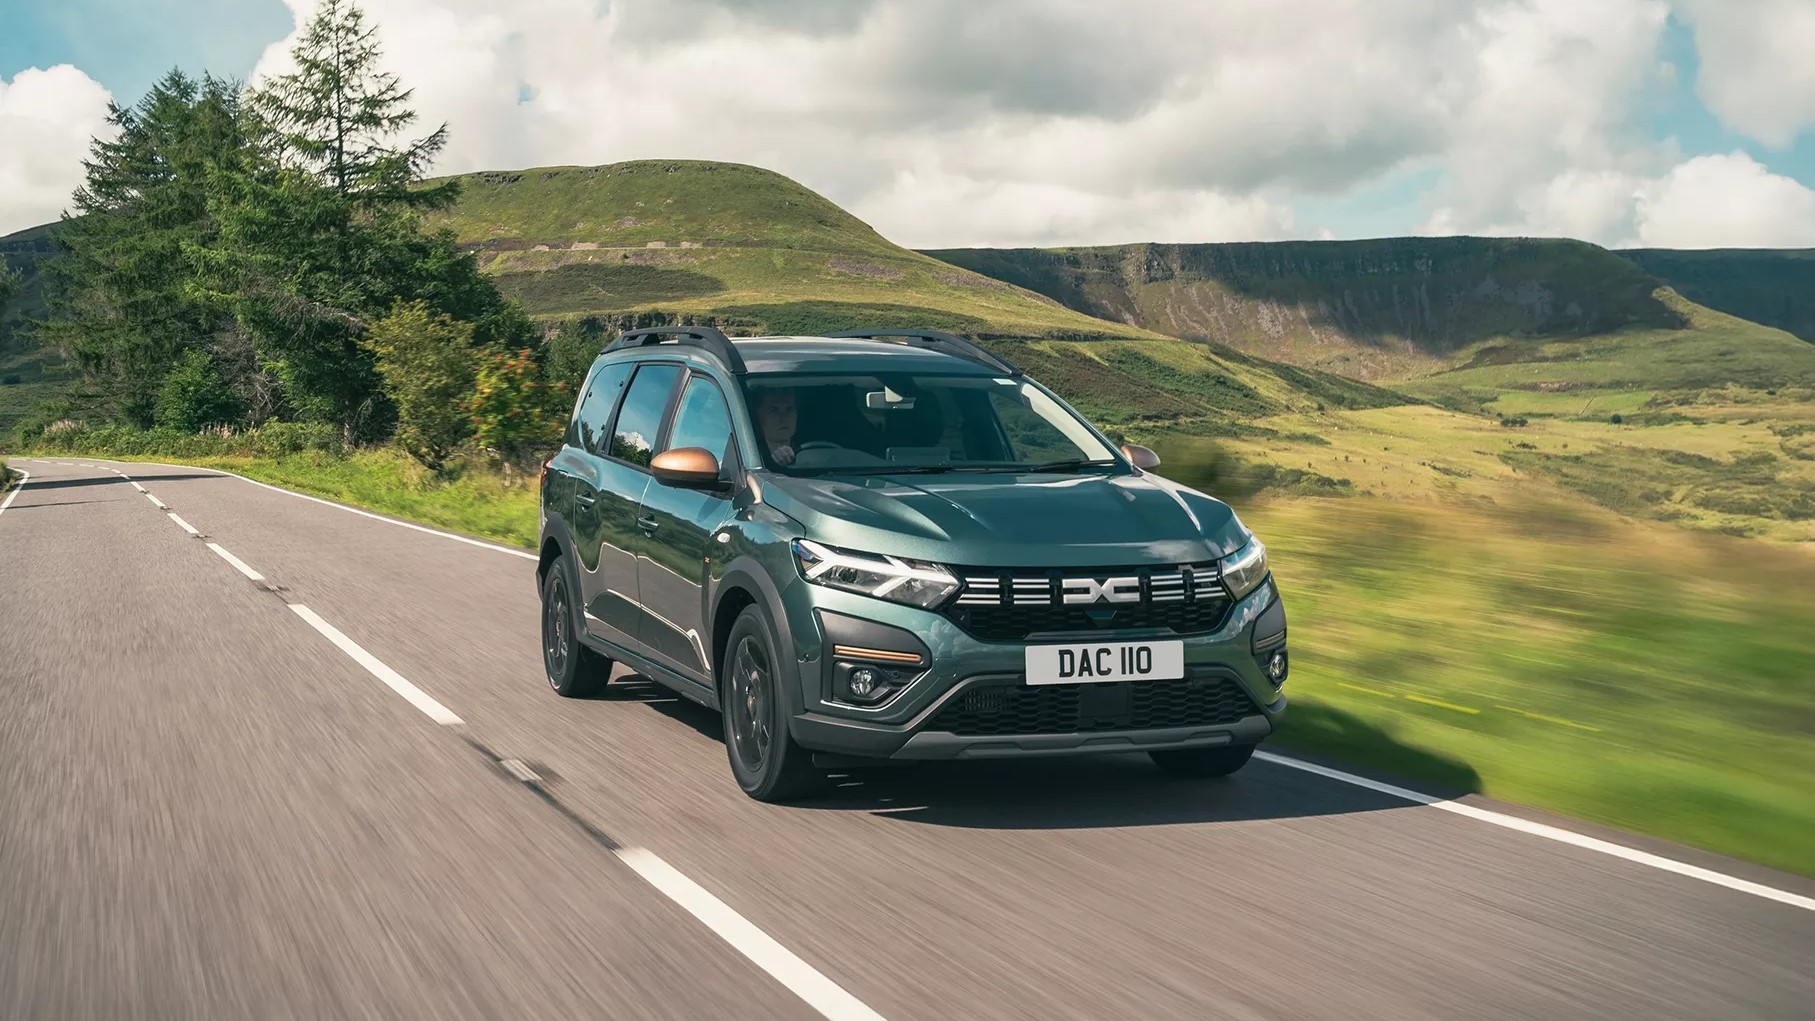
[913, 724]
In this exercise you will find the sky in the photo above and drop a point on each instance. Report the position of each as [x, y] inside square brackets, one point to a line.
[946, 123]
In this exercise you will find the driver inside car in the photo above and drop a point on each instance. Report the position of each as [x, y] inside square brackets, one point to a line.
[775, 415]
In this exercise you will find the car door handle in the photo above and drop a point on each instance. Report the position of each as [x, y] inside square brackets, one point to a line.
[585, 499]
[648, 523]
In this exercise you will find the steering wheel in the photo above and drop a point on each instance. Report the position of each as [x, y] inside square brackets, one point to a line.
[817, 445]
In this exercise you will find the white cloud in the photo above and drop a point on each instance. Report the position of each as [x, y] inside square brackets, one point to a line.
[47, 118]
[946, 122]
[1725, 201]
[1757, 64]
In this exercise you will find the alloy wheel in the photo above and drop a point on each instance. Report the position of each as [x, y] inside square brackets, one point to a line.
[750, 693]
[557, 643]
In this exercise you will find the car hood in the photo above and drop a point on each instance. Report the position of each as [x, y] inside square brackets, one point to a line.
[1012, 519]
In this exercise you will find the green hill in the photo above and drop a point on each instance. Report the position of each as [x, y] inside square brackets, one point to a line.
[28, 373]
[1773, 287]
[654, 240]
[1386, 308]
[752, 251]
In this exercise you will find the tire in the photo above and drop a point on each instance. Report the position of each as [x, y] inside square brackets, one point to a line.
[573, 670]
[1203, 762]
[767, 763]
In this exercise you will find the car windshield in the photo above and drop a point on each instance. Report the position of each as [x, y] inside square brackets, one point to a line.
[889, 423]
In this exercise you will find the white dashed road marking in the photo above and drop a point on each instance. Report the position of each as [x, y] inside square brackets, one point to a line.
[519, 769]
[1556, 833]
[160, 504]
[411, 694]
[184, 525]
[238, 564]
[801, 978]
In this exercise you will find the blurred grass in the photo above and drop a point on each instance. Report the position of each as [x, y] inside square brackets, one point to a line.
[1635, 675]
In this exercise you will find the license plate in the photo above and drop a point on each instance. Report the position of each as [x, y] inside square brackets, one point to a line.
[1080, 662]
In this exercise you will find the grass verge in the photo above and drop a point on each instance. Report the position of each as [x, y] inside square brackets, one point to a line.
[1632, 674]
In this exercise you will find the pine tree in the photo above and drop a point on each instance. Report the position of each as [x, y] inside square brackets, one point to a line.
[337, 115]
[118, 292]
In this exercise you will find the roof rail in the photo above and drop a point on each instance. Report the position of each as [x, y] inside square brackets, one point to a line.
[697, 336]
[934, 338]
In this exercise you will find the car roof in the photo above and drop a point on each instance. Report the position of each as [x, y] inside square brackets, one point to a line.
[851, 354]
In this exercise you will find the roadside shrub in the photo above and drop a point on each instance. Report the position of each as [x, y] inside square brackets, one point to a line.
[1616, 420]
[427, 361]
[193, 396]
[11, 379]
[516, 413]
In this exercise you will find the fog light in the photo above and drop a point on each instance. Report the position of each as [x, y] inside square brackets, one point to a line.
[1276, 667]
[863, 682]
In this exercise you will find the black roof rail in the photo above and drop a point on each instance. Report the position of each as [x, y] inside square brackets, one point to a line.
[934, 338]
[698, 336]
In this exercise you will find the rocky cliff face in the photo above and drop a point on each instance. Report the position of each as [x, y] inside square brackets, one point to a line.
[1367, 309]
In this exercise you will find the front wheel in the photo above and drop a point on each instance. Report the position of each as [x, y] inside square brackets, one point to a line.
[1203, 761]
[768, 765]
[573, 670]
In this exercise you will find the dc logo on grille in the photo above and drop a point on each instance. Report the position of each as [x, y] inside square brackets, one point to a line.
[1108, 590]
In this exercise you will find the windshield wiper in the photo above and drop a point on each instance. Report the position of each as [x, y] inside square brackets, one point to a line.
[1069, 463]
[906, 469]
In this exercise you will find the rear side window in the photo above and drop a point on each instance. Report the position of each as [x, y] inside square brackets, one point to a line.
[595, 409]
[702, 420]
[640, 417]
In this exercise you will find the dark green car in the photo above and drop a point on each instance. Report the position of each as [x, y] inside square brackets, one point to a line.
[892, 545]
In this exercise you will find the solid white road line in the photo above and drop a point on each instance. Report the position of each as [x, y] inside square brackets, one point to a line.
[470, 541]
[24, 477]
[153, 499]
[1556, 833]
[238, 564]
[525, 554]
[184, 525]
[414, 695]
[800, 978]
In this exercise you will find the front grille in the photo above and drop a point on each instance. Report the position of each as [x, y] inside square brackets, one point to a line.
[1004, 709]
[1008, 606]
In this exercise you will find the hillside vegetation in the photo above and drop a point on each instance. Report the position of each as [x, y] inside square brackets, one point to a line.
[1376, 309]
[28, 372]
[1772, 287]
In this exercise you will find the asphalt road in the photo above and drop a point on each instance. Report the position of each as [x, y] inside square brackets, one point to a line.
[210, 807]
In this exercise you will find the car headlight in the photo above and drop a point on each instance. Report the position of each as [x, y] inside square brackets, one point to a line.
[900, 581]
[1245, 568]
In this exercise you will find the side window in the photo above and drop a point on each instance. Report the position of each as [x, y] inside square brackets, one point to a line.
[640, 417]
[595, 410]
[702, 420]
